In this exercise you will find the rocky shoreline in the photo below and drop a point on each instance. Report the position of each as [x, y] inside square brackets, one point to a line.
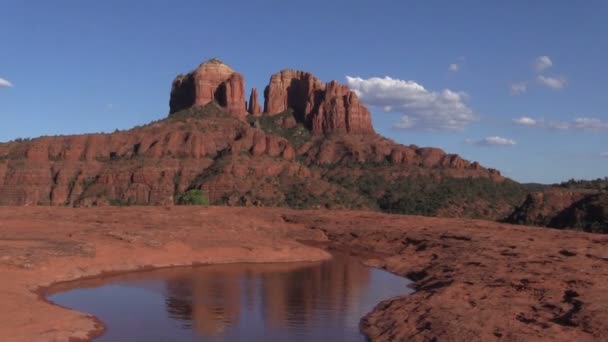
[475, 280]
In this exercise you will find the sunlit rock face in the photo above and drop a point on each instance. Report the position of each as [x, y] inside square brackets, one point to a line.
[323, 107]
[211, 81]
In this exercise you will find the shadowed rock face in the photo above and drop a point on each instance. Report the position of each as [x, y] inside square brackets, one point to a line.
[211, 81]
[323, 108]
[562, 208]
[292, 89]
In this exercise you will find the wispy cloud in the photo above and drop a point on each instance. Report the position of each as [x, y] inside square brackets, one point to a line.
[495, 141]
[552, 82]
[525, 121]
[542, 63]
[419, 108]
[559, 125]
[604, 154]
[454, 67]
[5, 83]
[587, 124]
[518, 88]
[590, 124]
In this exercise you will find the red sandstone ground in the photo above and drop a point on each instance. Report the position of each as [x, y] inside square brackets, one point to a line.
[475, 280]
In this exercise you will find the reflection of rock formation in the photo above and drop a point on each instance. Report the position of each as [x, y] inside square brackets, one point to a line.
[179, 300]
[211, 302]
[209, 299]
[336, 284]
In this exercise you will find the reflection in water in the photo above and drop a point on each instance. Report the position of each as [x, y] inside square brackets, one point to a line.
[266, 302]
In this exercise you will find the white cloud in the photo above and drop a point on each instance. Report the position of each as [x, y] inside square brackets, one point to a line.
[420, 108]
[525, 121]
[552, 82]
[590, 124]
[492, 141]
[587, 124]
[542, 63]
[518, 88]
[5, 83]
[454, 67]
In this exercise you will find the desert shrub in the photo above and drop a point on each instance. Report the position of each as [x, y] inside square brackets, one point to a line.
[193, 197]
[270, 124]
[120, 202]
[210, 110]
[298, 196]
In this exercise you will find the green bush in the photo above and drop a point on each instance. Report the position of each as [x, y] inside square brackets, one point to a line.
[193, 197]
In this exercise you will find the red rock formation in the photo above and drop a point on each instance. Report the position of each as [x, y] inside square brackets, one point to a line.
[558, 207]
[211, 81]
[233, 160]
[341, 112]
[292, 89]
[254, 105]
[324, 108]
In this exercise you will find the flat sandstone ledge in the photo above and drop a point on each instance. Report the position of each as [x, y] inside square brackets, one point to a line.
[475, 280]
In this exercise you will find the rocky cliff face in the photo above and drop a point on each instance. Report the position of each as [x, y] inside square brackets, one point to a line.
[211, 81]
[324, 108]
[564, 208]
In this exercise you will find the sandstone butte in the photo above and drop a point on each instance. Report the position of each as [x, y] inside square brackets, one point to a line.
[311, 136]
[211, 81]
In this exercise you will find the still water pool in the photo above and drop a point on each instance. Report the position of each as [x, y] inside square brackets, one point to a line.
[238, 302]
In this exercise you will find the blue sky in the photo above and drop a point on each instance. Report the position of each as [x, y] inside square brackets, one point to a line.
[518, 85]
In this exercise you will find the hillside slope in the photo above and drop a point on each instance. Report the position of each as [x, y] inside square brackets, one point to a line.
[314, 146]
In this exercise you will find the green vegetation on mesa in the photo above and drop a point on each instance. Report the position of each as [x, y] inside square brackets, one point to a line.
[594, 184]
[193, 197]
[210, 110]
[272, 125]
[427, 195]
